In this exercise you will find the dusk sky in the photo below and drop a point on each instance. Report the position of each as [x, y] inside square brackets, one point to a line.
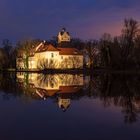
[86, 19]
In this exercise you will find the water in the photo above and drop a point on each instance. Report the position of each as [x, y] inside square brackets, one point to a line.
[72, 107]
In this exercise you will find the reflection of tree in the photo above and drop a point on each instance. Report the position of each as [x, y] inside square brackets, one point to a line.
[121, 91]
[113, 89]
[58, 79]
[47, 80]
[68, 79]
[8, 85]
[129, 110]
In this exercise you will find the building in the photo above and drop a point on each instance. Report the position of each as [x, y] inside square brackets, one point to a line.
[47, 56]
[60, 86]
[63, 36]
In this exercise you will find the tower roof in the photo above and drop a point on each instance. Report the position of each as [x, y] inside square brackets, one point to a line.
[63, 31]
[69, 51]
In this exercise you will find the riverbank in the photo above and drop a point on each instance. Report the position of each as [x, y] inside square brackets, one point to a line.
[77, 71]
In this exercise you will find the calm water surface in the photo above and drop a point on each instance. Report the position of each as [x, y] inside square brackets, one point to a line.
[69, 107]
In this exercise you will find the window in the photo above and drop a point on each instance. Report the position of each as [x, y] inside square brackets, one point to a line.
[52, 85]
[52, 55]
[61, 57]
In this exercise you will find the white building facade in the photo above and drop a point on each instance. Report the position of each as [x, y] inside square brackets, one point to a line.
[46, 56]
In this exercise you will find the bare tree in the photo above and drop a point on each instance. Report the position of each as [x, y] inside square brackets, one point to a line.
[65, 63]
[105, 45]
[3, 59]
[91, 49]
[129, 33]
[75, 62]
[47, 64]
[27, 47]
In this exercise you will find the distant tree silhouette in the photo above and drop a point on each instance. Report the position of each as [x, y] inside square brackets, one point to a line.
[26, 47]
[130, 32]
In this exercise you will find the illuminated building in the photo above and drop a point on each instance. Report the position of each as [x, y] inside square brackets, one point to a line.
[63, 36]
[62, 86]
[47, 56]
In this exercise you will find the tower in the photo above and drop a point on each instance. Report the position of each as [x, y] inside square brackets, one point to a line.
[63, 36]
[64, 103]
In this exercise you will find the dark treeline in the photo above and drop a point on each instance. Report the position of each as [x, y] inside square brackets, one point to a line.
[120, 52]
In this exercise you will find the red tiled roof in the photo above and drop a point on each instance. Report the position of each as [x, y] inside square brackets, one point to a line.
[69, 51]
[46, 47]
[51, 92]
[49, 47]
[62, 89]
[69, 89]
[47, 92]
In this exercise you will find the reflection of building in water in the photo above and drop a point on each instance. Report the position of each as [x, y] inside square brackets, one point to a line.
[44, 86]
[63, 103]
[65, 95]
[51, 82]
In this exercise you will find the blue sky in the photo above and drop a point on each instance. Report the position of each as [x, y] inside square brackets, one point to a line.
[86, 19]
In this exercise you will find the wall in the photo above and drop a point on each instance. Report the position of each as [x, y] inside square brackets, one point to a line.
[52, 59]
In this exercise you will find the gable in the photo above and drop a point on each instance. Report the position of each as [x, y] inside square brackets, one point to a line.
[44, 48]
[65, 34]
